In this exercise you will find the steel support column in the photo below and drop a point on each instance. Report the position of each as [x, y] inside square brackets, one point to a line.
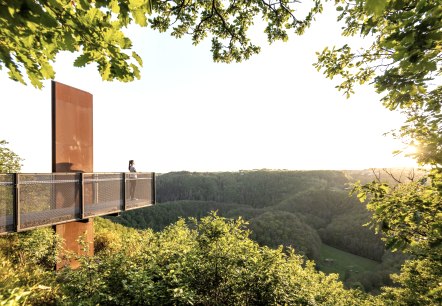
[72, 151]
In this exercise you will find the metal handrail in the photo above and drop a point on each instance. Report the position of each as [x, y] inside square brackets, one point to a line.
[31, 200]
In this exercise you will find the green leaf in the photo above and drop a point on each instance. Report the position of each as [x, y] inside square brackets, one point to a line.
[47, 71]
[15, 74]
[139, 18]
[82, 60]
[430, 66]
[136, 71]
[83, 4]
[69, 42]
[35, 80]
[115, 7]
[137, 58]
[376, 7]
[105, 73]
[47, 20]
[91, 14]
[362, 196]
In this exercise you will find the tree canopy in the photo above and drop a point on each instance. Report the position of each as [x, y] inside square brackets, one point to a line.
[10, 162]
[403, 61]
[33, 32]
[209, 262]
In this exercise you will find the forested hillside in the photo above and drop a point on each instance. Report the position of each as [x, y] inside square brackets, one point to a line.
[299, 209]
[255, 188]
[207, 262]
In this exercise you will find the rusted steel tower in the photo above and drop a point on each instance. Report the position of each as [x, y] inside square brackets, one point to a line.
[72, 195]
[72, 151]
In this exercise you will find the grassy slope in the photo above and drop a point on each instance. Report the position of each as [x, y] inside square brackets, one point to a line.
[337, 261]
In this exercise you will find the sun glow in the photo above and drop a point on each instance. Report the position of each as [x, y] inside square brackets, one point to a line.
[410, 150]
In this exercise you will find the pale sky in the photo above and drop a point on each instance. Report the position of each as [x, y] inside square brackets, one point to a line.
[274, 111]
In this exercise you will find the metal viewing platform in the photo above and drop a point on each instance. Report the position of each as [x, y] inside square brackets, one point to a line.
[28, 201]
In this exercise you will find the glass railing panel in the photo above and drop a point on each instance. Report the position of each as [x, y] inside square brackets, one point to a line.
[48, 199]
[103, 193]
[139, 190]
[6, 202]
[33, 200]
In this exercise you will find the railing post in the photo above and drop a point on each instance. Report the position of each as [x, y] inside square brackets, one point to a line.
[81, 195]
[154, 190]
[96, 191]
[124, 191]
[17, 201]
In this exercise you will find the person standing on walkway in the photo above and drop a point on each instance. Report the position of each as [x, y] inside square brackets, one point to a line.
[132, 179]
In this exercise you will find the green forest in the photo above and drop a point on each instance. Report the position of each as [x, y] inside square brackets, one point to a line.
[303, 242]
[303, 210]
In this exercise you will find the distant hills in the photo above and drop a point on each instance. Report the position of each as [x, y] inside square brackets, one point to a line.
[299, 209]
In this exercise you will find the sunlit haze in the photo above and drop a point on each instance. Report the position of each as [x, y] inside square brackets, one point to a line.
[274, 111]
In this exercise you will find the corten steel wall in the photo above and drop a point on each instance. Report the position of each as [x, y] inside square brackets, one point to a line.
[72, 151]
[72, 118]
